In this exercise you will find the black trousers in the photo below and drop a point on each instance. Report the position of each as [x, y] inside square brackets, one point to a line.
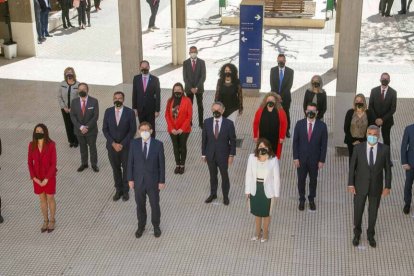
[213, 168]
[65, 17]
[154, 10]
[0, 205]
[141, 201]
[84, 142]
[119, 164]
[97, 3]
[82, 13]
[286, 108]
[305, 169]
[359, 206]
[148, 117]
[69, 128]
[88, 11]
[386, 134]
[385, 6]
[199, 98]
[409, 179]
[180, 147]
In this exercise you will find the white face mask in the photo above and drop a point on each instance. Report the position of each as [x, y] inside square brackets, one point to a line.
[145, 135]
[193, 55]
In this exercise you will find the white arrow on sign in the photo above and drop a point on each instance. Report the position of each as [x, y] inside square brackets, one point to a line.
[244, 39]
[257, 17]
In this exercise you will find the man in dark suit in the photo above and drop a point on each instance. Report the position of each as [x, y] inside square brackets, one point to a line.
[383, 101]
[281, 81]
[407, 161]
[154, 4]
[146, 96]
[84, 114]
[119, 128]
[368, 163]
[218, 150]
[45, 8]
[1, 218]
[194, 75]
[146, 175]
[310, 142]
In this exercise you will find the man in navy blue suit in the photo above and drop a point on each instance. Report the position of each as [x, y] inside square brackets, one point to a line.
[146, 175]
[407, 161]
[119, 128]
[218, 150]
[146, 97]
[310, 142]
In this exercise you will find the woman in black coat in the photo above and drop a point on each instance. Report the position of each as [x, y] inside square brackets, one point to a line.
[316, 94]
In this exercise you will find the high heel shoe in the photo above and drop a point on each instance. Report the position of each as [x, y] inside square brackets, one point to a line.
[51, 226]
[44, 226]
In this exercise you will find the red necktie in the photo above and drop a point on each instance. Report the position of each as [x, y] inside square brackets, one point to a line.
[83, 107]
[194, 64]
[310, 132]
[216, 129]
[382, 94]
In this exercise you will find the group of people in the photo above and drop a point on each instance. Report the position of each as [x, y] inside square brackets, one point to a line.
[139, 163]
[386, 5]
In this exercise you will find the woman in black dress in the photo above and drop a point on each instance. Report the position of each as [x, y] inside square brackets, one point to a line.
[317, 95]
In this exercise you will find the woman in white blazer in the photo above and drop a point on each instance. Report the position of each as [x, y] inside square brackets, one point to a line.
[262, 185]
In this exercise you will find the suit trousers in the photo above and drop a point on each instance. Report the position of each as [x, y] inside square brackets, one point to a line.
[225, 185]
[385, 6]
[65, 17]
[97, 3]
[404, 5]
[82, 13]
[69, 128]
[44, 22]
[409, 179]
[386, 134]
[88, 11]
[38, 24]
[306, 168]
[359, 206]
[0, 205]
[180, 147]
[148, 117]
[286, 108]
[199, 98]
[141, 201]
[154, 10]
[84, 142]
[119, 164]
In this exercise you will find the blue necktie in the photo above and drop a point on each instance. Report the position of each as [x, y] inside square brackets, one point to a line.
[371, 157]
[281, 75]
[145, 150]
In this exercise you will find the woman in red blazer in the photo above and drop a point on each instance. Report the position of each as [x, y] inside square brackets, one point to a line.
[270, 122]
[42, 166]
[178, 113]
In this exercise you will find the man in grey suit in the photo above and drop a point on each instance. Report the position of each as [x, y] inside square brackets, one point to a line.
[407, 161]
[368, 163]
[194, 75]
[84, 114]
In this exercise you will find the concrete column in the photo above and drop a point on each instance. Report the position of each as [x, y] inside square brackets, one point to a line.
[348, 57]
[337, 28]
[131, 37]
[178, 31]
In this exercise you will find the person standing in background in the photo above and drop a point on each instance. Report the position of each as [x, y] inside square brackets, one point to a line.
[407, 161]
[45, 8]
[65, 5]
[317, 95]
[154, 4]
[1, 218]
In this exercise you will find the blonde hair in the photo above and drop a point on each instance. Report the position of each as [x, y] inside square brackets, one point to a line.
[67, 70]
[363, 100]
[319, 79]
[274, 95]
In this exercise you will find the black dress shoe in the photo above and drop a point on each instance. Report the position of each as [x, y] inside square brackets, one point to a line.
[75, 145]
[406, 209]
[288, 134]
[139, 233]
[125, 196]
[210, 198]
[301, 206]
[82, 168]
[182, 169]
[312, 206]
[48, 35]
[402, 12]
[1, 219]
[226, 201]
[71, 145]
[117, 196]
[157, 232]
[355, 241]
[177, 170]
[95, 168]
[372, 242]
[65, 27]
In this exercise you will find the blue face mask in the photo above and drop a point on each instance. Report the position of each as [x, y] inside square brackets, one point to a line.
[372, 140]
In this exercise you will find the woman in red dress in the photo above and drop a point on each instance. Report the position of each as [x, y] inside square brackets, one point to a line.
[42, 166]
[270, 122]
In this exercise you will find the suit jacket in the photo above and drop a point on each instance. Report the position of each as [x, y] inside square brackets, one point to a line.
[62, 94]
[42, 165]
[347, 124]
[43, 5]
[383, 109]
[184, 118]
[286, 84]
[407, 146]
[194, 79]
[90, 119]
[221, 148]
[313, 150]
[146, 172]
[122, 133]
[366, 179]
[271, 182]
[321, 102]
[148, 101]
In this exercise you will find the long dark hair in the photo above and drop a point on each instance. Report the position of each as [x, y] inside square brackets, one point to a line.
[267, 144]
[46, 139]
[177, 84]
[234, 73]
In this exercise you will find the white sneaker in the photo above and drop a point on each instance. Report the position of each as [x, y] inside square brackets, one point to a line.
[254, 238]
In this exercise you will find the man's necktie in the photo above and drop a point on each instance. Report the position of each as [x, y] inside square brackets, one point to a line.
[216, 129]
[310, 132]
[145, 150]
[382, 94]
[193, 64]
[117, 117]
[145, 82]
[83, 107]
[281, 76]
[371, 157]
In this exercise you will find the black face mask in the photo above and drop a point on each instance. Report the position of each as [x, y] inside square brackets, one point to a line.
[385, 82]
[178, 94]
[316, 84]
[82, 94]
[69, 76]
[359, 105]
[144, 71]
[281, 64]
[118, 103]
[216, 114]
[311, 114]
[39, 136]
[263, 151]
[227, 74]
[270, 104]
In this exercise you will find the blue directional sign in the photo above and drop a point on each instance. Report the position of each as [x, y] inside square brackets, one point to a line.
[250, 50]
